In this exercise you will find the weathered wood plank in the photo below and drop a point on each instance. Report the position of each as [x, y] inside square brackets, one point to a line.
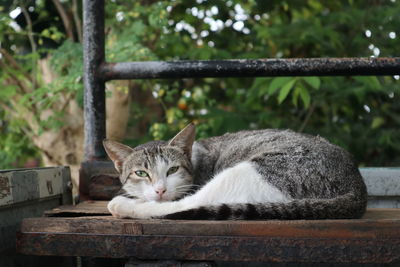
[221, 248]
[10, 219]
[375, 223]
[22, 185]
[28, 193]
[86, 208]
[96, 208]
[375, 238]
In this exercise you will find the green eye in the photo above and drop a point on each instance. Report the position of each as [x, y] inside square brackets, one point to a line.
[141, 173]
[172, 170]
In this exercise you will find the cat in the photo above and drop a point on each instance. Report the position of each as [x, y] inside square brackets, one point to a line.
[257, 174]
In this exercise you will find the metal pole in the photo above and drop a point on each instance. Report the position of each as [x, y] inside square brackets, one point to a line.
[94, 98]
[251, 68]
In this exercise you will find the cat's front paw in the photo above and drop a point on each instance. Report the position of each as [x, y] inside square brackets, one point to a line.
[113, 209]
[145, 210]
[121, 207]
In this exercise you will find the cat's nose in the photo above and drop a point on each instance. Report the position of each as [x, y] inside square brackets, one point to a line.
[160, 191]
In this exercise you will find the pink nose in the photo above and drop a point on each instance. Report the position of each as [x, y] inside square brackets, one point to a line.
[161, 191]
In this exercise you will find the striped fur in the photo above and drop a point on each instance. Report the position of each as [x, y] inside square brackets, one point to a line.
[308, 209]
[263, 174]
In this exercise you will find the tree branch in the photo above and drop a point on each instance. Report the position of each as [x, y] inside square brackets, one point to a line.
[31, 40]
[23, 88]
[10, 59]
[27, 114]
[308, 116]
[67, 101]
[7, 108]
[65, 19]
[16, 115]
[77, 20]
[30, 28]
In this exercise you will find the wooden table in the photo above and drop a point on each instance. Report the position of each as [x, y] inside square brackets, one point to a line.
[88, 230]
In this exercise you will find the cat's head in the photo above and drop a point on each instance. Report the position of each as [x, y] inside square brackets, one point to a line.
[158, 170]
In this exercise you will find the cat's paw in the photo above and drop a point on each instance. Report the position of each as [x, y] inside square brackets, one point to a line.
[153, 209]
[121, 207]
[145, 210]
[112, 208]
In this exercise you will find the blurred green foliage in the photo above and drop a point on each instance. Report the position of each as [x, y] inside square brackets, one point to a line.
[23, 90]
[360, 114]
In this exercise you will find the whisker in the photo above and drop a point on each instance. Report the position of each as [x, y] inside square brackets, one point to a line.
[184, 192]
[181, 192]
[186, 186]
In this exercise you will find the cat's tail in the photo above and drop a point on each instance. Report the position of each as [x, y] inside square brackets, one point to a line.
[347, 206]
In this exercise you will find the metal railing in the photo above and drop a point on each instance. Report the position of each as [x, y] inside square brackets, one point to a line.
[97, 72]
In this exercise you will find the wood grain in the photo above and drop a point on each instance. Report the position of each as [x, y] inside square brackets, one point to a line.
[91, 208]
[382, 223]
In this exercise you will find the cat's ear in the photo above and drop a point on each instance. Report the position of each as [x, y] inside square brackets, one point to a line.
[184, 139]
[117, 153]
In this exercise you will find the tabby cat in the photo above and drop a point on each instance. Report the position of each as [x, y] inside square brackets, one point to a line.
[260, 174]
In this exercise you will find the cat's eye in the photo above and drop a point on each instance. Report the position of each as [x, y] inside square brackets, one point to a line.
[172, 170]
[141, 173]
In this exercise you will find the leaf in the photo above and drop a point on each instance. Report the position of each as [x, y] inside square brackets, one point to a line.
[314, 82]
[371, 82]
[8, 91]
[305, 96]
[377, 122]
[278, 82]
[283, 93]
[138, 28]
[260, 85]
[295, 96]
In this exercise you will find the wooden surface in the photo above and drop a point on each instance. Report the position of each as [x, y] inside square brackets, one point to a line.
[87, 208]
[28, 193]
[95, 208]
[85, 219]
[375, 238]
[371, 228]
[19, 186]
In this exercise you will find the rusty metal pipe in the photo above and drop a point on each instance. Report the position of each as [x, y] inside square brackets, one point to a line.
[94, 97]
[251, 68]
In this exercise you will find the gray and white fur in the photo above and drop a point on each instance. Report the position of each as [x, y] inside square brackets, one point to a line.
[260, 174]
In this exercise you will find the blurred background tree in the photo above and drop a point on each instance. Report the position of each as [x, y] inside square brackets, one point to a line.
[41, 73]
